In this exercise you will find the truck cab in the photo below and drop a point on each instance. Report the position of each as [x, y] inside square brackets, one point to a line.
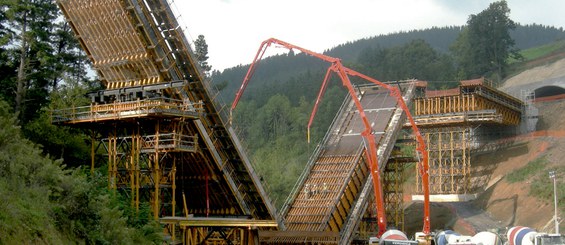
[549, 239]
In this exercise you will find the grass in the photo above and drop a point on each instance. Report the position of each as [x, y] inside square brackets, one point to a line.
[541, 51]
[542, 187]
[536, 56]
[526, 172]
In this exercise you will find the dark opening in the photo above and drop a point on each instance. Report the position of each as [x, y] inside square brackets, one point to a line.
[549, 91]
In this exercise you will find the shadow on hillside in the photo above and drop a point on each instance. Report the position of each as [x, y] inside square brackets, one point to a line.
[441, 217]
[511, 202]
[484, 165]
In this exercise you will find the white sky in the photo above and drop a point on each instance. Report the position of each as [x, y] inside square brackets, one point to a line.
[234, 29]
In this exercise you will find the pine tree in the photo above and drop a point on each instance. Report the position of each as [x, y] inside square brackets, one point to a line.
[202, 53]
[41, 51]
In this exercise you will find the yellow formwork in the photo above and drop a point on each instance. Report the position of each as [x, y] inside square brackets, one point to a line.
[451, 123]
[112, 41]
[449, 160]
[446, 105]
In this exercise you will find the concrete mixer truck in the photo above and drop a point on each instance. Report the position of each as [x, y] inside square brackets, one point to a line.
[449, 237]
[520, 235]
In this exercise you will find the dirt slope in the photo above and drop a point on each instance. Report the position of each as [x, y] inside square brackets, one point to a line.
[512, 203]
[539, 73]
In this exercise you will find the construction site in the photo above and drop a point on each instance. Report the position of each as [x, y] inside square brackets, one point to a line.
[167, 139]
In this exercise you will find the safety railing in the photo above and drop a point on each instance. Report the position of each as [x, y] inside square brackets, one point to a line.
[169, 141]
[116, 110]
[459, 117]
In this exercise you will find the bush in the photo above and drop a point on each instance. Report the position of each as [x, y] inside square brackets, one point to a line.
[41, 202]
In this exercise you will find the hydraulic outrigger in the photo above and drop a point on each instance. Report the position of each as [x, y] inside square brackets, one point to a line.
[370, 147]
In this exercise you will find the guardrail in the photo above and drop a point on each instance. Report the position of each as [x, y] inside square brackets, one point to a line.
[115, 110]
[170, 141]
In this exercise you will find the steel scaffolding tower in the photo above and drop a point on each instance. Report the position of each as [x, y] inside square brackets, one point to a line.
[159, 127]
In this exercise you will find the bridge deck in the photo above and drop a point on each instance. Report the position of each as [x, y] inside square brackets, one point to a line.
[333, 191]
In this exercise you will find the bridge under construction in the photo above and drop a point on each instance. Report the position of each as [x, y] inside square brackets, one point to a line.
[162, 132]
[335, 190]
[459, 122]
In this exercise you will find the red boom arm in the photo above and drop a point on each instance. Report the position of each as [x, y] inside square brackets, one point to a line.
[371, 148]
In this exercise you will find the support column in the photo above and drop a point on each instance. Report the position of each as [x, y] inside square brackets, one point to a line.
[156, 175]
[92, 153]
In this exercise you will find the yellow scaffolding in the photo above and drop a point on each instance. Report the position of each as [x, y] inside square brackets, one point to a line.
[453, 123]
[158, 123]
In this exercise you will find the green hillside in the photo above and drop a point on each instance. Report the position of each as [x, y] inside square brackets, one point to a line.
[543, 50]
[539, 55]
[278, 70]
[44, 202]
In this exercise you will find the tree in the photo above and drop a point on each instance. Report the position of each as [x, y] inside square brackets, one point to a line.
[484, 46]
[37, 50]
[28, 24]
[202, 53]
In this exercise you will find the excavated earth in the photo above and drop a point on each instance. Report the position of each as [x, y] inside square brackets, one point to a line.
[502, 204]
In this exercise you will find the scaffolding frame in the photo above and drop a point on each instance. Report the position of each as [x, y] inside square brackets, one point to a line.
[457, 122]
[393, 179]
[450, 160]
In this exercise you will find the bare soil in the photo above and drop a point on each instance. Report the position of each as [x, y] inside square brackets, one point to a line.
[539, 73]
[510, 202]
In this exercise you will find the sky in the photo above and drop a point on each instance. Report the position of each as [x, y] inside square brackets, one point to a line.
[234, 29]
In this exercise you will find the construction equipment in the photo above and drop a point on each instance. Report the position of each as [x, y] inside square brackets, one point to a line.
[370, 145]
[520, 235]
[449, 237]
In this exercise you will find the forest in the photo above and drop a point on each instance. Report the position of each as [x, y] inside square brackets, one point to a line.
[47, 196]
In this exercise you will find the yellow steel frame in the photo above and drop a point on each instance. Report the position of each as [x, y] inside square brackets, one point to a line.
[450, 160]
[200, 230]
[450, 106]
[133, 46]
[393, 179]
[137, 161]
[393, 195]
[447, 119]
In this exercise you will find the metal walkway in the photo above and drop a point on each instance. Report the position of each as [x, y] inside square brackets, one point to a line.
[333, 192]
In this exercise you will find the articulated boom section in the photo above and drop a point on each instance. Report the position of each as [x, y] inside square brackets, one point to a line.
[158, 121]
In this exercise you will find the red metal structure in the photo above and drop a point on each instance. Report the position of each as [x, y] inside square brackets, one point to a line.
[371, 148]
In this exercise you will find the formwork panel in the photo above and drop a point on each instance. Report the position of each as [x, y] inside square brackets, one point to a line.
[112, 42]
